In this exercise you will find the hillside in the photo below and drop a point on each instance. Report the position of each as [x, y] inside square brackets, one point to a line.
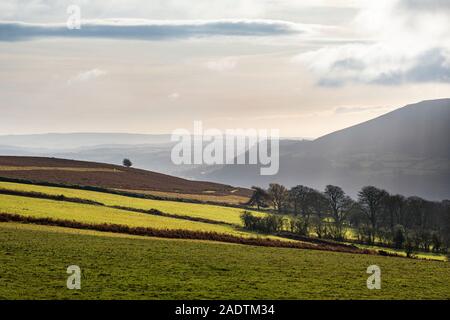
[71, 172]
[405, 151]
[418, 130]
[182, 269]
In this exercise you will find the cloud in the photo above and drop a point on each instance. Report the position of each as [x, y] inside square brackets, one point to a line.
[149, 29]
[86, 76]
[221, 65]
[424, 5]
[345, 110]
[377, 64]
[409, 43]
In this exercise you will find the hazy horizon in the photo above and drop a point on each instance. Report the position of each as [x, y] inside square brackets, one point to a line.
[306, 68]
[169, 133]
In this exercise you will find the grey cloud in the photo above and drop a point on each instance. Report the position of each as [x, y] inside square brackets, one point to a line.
[148, 30]
[430, 66]
[424, 5]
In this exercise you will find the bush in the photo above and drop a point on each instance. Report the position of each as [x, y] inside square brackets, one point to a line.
[268, 224]
[299, 226]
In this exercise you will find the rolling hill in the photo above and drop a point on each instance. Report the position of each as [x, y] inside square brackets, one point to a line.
[71, 172]
[405, 151]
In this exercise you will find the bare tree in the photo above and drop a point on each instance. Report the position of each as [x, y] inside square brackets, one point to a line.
[300, 199]
[371, 201]
[319, 207]
[340, 205]
[278, 195]
[395, 205]
[259, 198]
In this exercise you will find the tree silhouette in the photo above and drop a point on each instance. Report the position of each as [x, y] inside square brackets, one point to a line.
[278, 195]
[259, 198]
[340, 205]
[371, 200]
[127, 162]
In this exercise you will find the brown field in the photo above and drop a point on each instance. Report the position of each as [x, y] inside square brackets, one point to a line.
[71, 172]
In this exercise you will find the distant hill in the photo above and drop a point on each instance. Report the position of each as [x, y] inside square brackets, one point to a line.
[147, 151]
[85, 173]
[405, 151]
[80, 140]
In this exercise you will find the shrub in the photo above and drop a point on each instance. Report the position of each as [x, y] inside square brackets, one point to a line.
[268, 224]
[299, 226]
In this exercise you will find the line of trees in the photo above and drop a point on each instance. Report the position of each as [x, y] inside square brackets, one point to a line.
[376, 217]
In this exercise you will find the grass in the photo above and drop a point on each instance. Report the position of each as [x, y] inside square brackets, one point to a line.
[231, 199]
[421, 255]
[43, 208]
[212, 212]
[33, 262]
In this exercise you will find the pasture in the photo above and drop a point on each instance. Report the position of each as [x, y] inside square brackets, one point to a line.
[33, 262]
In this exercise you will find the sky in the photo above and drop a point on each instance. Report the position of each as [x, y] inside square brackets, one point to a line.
[305, 67]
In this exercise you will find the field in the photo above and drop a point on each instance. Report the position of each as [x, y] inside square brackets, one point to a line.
[43, 208]
[212, 212]
[71, 172]
[205, 197]
[33, 262]
[129, 264]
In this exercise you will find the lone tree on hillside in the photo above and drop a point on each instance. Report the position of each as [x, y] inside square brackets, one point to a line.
[127, 162]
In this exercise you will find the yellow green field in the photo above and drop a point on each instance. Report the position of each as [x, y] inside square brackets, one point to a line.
[230, 199]
[211, 212]
[43, 208]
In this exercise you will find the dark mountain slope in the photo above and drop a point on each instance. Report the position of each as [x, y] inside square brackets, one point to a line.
[405, 151]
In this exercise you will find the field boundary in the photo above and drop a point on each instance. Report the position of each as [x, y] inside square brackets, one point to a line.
[179, 234]
[124, 193]
[155, 212]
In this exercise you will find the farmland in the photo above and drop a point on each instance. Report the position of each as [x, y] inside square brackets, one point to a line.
[133, 247]
[43, 208]
[83, 173]
[34, 261]
[212, 212]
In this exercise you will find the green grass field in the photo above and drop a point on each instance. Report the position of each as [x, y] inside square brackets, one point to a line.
[212, 212]
[33, 262]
